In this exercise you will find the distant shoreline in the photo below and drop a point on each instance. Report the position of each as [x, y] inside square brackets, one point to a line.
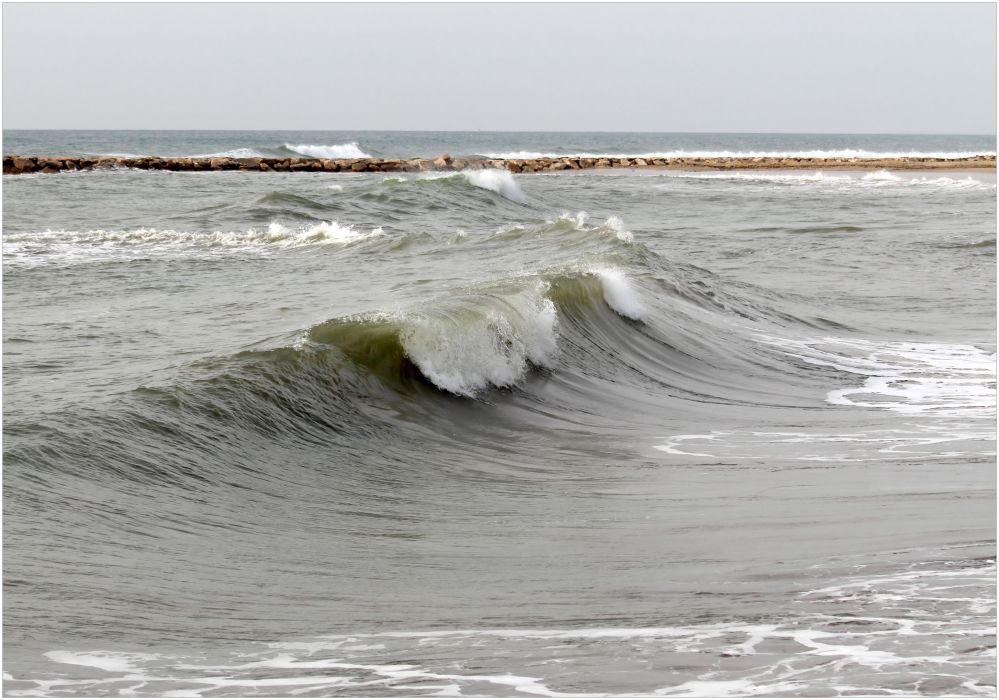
[13, 165]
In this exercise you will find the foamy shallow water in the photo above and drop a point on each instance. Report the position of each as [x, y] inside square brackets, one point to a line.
[866, 634]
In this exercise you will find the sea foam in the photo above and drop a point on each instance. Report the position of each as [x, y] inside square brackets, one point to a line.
[906, 377]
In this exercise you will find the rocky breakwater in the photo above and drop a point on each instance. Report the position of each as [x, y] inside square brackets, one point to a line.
[13, 165]
[48, 164]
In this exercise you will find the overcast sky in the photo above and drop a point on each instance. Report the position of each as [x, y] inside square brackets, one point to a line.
[822, 68]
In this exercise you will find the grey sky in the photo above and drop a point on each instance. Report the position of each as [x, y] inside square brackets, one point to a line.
[834, 68]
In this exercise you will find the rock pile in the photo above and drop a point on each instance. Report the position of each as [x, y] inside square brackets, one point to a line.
[23, 164]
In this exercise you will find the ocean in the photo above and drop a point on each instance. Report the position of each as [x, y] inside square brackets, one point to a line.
[580, 433]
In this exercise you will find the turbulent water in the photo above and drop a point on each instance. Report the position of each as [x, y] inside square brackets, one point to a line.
[576, 433]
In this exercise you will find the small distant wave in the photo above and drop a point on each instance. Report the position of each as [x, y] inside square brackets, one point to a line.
[67, 247]
[344, 150]
[836, 153]
[233, 153]
[499, 181]
[878, 178]
[883, 176]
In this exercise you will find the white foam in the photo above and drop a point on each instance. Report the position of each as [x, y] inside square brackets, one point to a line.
[915, 378]
[343, 150]
[914, 441]
[620, 296]
[490, 342]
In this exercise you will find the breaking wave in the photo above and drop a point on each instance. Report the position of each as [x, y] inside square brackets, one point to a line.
[344, 150]
[477, 338]
[499, 181]
[233, 153]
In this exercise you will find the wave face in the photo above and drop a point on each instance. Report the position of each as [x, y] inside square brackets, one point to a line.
[627, 433]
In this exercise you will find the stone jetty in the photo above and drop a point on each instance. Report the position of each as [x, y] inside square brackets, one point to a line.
[48, 164]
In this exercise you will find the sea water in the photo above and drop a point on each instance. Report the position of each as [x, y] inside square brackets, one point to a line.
[622, 432]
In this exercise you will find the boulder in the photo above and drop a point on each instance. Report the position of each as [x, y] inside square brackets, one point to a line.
[24, 165]
[603, 163]
[641, 162]
[442, 161]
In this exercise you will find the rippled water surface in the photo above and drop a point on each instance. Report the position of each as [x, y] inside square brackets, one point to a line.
[596, 433]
